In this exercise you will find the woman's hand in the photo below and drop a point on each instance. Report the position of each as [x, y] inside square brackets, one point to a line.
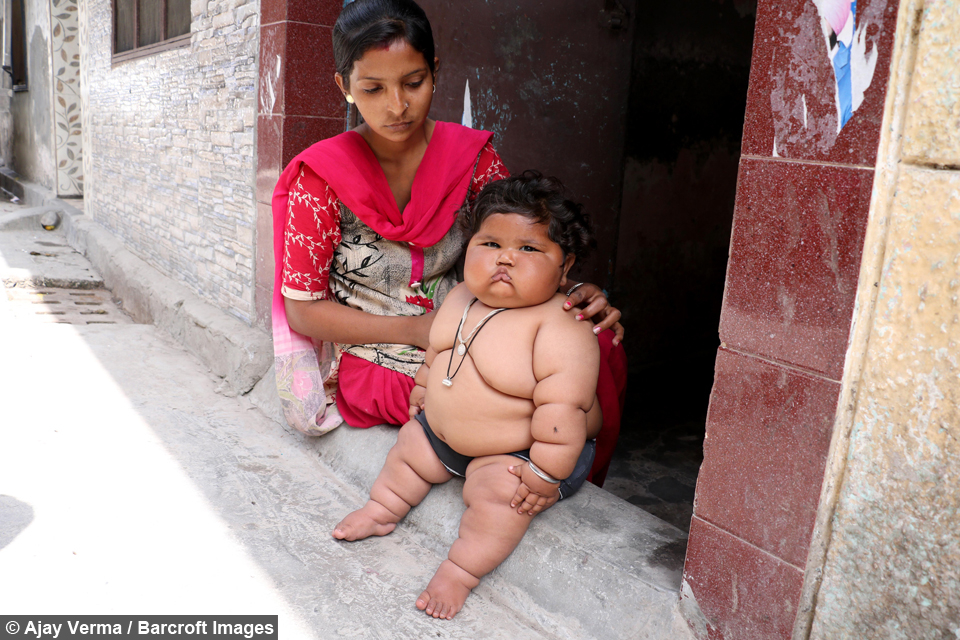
[593, 305]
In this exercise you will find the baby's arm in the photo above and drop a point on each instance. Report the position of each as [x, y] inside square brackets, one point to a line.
[566, 363]
[419, 392]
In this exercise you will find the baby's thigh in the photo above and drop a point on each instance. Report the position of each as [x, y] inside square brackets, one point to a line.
[414, 449]
[489, 478]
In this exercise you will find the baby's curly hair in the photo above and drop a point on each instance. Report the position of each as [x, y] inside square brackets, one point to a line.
[541, 198]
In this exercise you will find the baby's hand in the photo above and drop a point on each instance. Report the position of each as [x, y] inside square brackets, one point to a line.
[527, 500]
[418, 399]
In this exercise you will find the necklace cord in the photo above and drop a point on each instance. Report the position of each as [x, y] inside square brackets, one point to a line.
[448, 381]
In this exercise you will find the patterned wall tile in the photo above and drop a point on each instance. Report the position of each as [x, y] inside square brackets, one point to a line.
[65, 45]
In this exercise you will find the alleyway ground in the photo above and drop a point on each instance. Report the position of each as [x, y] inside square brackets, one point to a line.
[128, 485]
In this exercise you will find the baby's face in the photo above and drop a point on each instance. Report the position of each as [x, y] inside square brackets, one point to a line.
[512, 262]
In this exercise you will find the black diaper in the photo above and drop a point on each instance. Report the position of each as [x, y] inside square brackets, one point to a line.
[456, 463]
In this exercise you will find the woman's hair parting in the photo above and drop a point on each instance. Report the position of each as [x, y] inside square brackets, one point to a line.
[539, 198]
[366, 24]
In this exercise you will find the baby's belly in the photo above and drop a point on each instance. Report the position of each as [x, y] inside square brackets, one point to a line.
[474, 418]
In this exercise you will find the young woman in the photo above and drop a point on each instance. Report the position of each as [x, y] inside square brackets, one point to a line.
[366, 237]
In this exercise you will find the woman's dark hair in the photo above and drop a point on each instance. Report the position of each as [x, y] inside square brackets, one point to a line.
[539, 198]
[365, 24]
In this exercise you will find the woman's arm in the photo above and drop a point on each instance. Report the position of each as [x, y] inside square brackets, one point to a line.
[331, 321]
[311, 237]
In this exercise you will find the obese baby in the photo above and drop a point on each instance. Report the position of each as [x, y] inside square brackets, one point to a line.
[507, 395]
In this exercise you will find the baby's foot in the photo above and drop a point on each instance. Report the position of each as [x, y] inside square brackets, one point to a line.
[372, 520]
[447, 591]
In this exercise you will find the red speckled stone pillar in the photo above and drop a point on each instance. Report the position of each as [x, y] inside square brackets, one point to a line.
[803, 198]
[298, 104]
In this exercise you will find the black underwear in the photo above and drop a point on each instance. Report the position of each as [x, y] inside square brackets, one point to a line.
[456, 463]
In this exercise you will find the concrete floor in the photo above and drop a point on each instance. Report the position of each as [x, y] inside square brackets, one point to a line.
[656, 464]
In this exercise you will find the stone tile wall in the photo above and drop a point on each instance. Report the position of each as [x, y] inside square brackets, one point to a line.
[892, 563]
[299, 104]
[170, 149]
[65, 42]
[816, 99]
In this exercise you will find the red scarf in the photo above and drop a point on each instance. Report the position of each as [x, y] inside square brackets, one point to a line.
[348, 165]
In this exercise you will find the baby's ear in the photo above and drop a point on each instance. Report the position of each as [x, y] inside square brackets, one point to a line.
[565, 269]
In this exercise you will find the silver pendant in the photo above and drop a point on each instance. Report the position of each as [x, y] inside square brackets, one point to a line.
[462, 349]
[447, 382]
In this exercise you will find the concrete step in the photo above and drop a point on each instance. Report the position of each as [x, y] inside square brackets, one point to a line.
[594, 561]
[36, 257]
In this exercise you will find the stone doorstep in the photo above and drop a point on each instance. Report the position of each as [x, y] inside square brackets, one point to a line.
[609, 567]
[33, 257]
[613, 568]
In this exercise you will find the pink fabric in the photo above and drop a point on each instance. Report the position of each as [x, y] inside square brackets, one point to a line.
[369, 394]
[416, 263]
[353, 172]
[313, 231]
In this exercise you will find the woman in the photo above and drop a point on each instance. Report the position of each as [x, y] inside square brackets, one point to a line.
[365, 236]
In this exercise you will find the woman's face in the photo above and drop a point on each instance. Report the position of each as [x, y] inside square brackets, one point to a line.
[392, 88]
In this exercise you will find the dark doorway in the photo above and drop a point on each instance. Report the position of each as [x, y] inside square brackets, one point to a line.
[688, 91]
[551, 80]
[638, 107]
[16, 65]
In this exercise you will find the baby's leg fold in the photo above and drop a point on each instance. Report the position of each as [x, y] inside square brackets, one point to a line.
[490, 530]
[410, 470]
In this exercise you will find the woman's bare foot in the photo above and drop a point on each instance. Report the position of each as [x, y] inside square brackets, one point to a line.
[447, 591]
[373, 519]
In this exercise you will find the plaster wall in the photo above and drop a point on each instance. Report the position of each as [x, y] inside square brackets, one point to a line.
[892, 564]
[34, 148]
[169, 148]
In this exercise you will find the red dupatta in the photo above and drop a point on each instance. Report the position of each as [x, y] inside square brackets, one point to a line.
[306, 369]
[440, 185]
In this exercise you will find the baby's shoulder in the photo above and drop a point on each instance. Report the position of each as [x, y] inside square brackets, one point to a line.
[560, 326]
[551, 313]
[453, 304]
[456, 299]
